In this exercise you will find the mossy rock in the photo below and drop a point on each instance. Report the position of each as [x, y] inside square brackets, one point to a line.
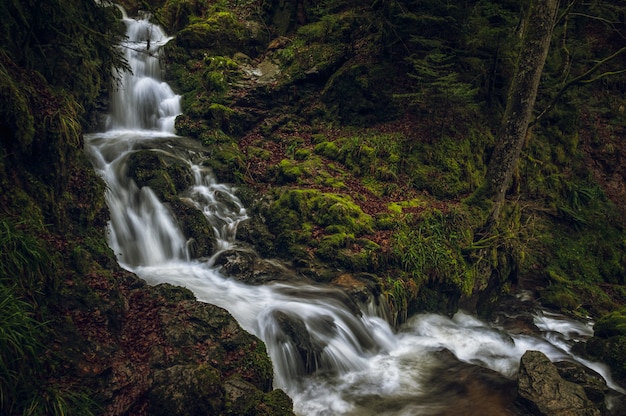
[611, 325]
[195, 227]
[227, 162]
[344, 251]
[234, 350]
[176, 14]
[311, 61]
[165, 175]
[275, 403]
[336, 212]
[187, 389]
[611, 351]
[221, 34]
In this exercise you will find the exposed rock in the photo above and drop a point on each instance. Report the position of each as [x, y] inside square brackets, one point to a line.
[545, 392]
[471, 390]
[164, 174]
[362, 287]
[186, 390]
[594, 385]
[295, 331]
[168, 354]
[244, 399]
[248, 267]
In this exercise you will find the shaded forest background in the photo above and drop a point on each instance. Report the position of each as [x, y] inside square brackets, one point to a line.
[358, 133]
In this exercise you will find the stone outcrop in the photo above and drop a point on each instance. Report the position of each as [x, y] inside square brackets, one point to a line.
[544, 392]
[168, 354]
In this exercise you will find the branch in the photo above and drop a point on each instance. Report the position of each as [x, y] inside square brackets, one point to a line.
[582, 80]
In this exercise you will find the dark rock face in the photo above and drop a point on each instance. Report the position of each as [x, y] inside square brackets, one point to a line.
[170, 355]
[295, 331]
[185, 390]
[248, 267]
[544, 392]
[594, 385]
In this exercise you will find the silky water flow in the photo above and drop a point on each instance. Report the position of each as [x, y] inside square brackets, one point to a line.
[363, 366]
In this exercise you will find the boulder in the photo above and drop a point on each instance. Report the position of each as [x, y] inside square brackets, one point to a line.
[248, 267]
[186, 390]
[544, 392]
[295, 331]
[594, 385]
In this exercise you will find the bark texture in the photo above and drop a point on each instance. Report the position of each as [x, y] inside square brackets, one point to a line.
[520, 101]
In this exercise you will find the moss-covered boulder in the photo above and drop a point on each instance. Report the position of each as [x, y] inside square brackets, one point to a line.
[221, 33]
[609, 344]
[165, 175]
[611, 325]
[329, 226]
[248, 267]
[186, 389]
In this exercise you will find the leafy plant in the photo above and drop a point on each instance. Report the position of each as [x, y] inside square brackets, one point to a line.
[20, 347]
[24, 261]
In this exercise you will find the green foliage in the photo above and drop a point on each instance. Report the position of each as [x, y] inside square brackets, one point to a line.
[431, 250]
[440, 91]
[400, 293]
[25, 261]
[15, 112]
[70, 42]
[20, 346]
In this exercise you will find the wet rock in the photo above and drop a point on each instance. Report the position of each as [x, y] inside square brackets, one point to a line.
[244, 399]
[164, 174]
[594, 385]
[241, 395]
[186, 390]
[202, 332]
[295, 331]
[248, 267]
[471, 390]
[362, 287]
[544, 392]
[612, 351]
[195, 226]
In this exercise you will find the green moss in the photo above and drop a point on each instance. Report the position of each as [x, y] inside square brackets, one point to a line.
[275, 403]
[288, 171]
[258, 152]
[220, 33]
[450, 167]
[611, 325]
[227, 161]
[338, 211]
[296, 213]
[398, 206]
[561, 298]
[166, 176]
[344, 251]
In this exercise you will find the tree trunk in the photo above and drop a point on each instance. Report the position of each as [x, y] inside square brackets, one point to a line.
[520, 103]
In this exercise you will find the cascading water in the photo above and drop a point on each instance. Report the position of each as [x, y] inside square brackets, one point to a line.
[358, 364]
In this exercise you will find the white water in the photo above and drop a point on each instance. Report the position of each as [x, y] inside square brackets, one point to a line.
[364, 366]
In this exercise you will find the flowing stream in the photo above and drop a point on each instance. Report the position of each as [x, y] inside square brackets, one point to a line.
[363, 366]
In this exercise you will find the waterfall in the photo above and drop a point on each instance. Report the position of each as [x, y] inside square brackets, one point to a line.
[352, 363]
